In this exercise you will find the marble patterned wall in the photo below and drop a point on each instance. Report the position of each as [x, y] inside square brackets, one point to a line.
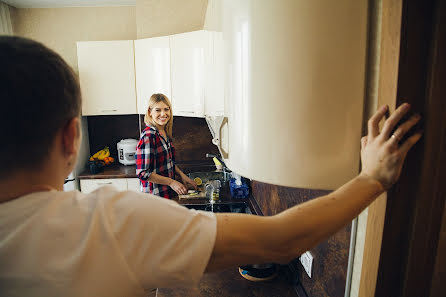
[108, 130]
[191, 138]
[330, 257]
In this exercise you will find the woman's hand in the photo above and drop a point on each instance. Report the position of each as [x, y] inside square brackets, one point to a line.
[382, 154]
[188, 181]
[178, 187]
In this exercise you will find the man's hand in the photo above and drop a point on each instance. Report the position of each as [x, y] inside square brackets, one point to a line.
[382, 154]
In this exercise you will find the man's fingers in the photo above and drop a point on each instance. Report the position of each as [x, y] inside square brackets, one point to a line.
[407, 145]
[403, 129]
[391, 122]
[373, 123]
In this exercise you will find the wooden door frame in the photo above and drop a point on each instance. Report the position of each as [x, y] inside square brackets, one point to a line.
[410, 259]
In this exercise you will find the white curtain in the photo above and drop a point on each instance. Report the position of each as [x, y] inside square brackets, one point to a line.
[5, 20]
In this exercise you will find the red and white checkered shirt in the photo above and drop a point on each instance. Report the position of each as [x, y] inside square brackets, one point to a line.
[155, 154]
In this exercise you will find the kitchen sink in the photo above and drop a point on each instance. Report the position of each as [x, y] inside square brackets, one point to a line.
[237, 207]
[211, 175]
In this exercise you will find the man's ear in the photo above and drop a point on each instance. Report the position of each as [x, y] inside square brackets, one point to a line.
[71, 136]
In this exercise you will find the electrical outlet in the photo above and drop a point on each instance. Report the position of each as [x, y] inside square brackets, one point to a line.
[307, 262]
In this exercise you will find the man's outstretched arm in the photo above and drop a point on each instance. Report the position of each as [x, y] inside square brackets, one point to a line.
[246, 239]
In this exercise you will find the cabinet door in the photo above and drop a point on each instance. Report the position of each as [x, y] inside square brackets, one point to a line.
[133, 184]
[188, 70]
[152, 68]
[107, 77]
[214, 97]
[304, 76]
[89, 185]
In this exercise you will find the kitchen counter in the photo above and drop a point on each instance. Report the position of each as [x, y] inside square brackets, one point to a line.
[118, 170]
[113, 171]
[225, 196]
[229, 283]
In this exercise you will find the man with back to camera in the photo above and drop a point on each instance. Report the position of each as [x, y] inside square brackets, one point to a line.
[110, 243]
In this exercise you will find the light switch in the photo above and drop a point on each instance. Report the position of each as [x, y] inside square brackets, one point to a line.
[307, 262]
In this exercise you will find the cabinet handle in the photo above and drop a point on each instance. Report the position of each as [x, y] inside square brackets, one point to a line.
[224, 153]
[109, 183]
[106, 110]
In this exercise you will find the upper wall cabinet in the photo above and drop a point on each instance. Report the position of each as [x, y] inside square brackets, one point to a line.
[152, 67]
[299, 76]
[107, 77]
[214, 93]
[189, 56]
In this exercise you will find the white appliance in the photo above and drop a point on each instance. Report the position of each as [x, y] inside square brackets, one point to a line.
[69, 184]
[126, 151]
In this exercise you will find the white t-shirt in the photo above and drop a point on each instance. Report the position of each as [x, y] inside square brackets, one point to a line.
[106, 243]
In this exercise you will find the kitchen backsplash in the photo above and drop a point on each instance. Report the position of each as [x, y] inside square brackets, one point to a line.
[191, 136]
[330, 257]
[109, 130]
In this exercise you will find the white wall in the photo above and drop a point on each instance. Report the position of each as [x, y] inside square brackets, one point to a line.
[166, 17]
[61, 28]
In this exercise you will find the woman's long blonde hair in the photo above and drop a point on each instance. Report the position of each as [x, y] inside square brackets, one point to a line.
[154, 99]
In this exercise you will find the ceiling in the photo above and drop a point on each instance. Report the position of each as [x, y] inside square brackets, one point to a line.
[67, 3]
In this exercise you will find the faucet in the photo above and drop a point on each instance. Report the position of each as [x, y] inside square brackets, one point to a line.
[226, 170]
[218, 158]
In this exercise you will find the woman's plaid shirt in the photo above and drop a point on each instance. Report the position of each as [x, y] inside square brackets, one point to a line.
[155, 154]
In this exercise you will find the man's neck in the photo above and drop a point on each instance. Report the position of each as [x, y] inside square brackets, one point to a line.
[26, 182]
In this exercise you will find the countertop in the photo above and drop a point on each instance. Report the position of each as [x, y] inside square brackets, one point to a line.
[229, 283]
[118, 170]
[113, 171]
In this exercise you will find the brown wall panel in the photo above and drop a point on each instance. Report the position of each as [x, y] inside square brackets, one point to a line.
[330, 257]
[191, 138]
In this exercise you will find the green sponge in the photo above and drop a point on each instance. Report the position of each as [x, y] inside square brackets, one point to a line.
[217, 163]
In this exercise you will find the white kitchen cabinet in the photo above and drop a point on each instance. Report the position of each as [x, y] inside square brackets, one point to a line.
[152, 68]
[89, 185]
[189, 52]
[121, 184]
[296, 83]
[214, 97]
[133, 184]
[107, 77]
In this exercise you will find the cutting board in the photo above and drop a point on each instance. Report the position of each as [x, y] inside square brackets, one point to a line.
[201, 194]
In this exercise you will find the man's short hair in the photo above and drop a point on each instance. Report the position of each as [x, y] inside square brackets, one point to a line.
[39, 94]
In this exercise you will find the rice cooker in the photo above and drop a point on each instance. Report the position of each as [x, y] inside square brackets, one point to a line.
[126, 151]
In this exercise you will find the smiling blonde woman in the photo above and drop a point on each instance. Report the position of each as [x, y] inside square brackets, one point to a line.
[155, 153]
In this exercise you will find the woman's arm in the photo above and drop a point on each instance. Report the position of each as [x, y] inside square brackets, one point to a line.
[184, 178]
[163, 180]
[246, 239]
